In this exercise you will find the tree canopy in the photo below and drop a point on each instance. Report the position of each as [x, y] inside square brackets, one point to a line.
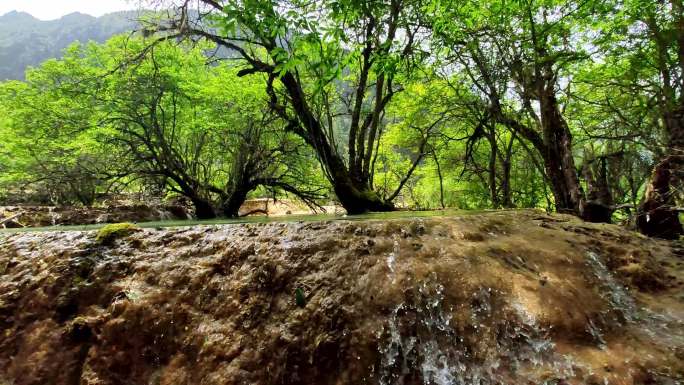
[422, 104]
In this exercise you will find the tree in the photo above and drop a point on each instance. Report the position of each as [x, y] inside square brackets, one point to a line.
[614, 128]
[205, 131]
[49, 157]
[332, 68]
[636, 90]
[518, 56]
[167, 118]
[664, 22]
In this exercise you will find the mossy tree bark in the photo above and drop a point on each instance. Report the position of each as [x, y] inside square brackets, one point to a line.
[658, 215]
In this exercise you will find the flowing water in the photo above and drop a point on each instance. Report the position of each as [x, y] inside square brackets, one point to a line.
[54, 217]
[614, 292]
[168, 223]
[422, 343]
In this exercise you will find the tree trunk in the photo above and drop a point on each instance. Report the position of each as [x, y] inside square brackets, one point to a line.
[598, 207]
[354, 198]
[242, 171]
[507, 198]
[558, 157]
[554, 145]
[203, 209]
[441, 179]
[237, 197]
[355, 195]
[657, 214]
[491, 169]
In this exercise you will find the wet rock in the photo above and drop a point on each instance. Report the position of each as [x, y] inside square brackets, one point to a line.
[42, 216]
[364, 302]
[109, 233]
[13, 224]
[79, 331]
[473, 237]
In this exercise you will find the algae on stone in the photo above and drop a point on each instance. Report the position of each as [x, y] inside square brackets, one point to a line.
[114, 231]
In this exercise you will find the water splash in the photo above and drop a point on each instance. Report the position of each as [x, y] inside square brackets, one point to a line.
[423, 344]
[54, 217]
[596, 334]
[612, 291]
[392, 256]
[663, 327]
[416, 332]
[164, 215]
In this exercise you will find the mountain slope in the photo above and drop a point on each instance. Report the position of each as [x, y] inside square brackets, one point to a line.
[26, 41]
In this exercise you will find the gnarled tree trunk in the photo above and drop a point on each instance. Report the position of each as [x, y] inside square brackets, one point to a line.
[506, 192]
[551, 137]
[354, 193]
[560, 169]
[231, 206]
[658, 216]
[240, 186]
[557, 153]
[598, 207]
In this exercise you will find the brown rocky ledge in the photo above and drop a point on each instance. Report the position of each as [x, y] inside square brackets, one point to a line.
[498, 298]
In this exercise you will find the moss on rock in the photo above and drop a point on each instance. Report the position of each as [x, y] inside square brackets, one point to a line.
[109, 233]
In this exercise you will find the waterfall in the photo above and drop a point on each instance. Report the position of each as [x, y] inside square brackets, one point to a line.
[392, 256]
[414, 333]
[54, 217]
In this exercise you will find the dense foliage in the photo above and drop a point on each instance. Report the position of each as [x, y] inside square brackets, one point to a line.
[572, 106]
[94, 122]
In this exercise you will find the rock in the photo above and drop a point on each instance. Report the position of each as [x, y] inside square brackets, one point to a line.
[44, 216]
[109, 233]
[316, 303]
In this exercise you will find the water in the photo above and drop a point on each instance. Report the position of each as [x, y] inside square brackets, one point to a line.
[415, 332]
[612, 291]
[662, 327]
[266, 219]
[392, 255]
[421, 343]
[164, 215]
[54, 217]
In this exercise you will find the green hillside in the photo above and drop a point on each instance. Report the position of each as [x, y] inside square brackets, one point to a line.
[26, 41]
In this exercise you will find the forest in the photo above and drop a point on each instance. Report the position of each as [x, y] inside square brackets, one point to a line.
[575, 107]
